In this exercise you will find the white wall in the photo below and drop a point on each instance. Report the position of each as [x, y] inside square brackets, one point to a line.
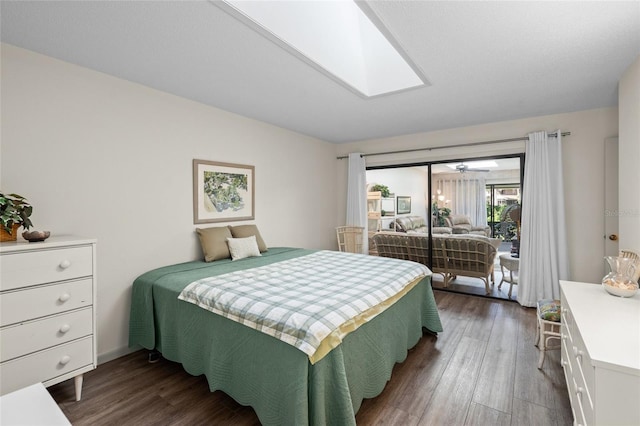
[629, 154]
[404, 181]
[582, 161]
[102, 157]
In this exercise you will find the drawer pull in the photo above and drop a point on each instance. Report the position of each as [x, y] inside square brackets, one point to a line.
[65, 264]
[64, 297]
[65, 360]
[64, 328]
[580, 391]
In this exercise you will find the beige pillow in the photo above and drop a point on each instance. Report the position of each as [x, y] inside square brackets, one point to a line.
[214, 242]
[243, 247]
[244, 231]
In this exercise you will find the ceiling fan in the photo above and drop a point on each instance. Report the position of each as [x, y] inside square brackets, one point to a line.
[462, 168]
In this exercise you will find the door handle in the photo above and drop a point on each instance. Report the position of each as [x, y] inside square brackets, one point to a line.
[613, 237]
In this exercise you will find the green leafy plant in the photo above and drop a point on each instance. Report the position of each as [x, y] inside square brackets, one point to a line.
[440, 213]
[384, 190]
[14, 209]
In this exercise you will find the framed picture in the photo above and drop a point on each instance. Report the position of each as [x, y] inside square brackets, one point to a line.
[403, 205]
[222, 192]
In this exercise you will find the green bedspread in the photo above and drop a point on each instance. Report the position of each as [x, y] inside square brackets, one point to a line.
[256, 369]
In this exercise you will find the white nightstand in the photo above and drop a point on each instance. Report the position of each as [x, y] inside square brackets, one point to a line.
[30, 406]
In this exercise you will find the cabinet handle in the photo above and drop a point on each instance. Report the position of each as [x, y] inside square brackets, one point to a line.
[565, 363]
[575, 351]
[65, 264]
[579, 355]
[564, 310]
[65, 360]
[580, 391]
[564, 336]
[64, 297]
[64, 328]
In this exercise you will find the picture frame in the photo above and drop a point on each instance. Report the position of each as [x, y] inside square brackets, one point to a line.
[403, 205]
[222, 192]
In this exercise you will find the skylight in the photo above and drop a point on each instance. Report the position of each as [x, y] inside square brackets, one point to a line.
[336, 37]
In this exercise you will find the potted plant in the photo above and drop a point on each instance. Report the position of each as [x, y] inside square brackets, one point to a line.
[384, 190]
[440, 214]
[14, 212]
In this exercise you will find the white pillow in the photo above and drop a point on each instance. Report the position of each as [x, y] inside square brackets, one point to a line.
[243, 247]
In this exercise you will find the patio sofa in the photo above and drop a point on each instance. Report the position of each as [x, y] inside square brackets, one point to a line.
[461, 224]
[417, 225]
[467, 255]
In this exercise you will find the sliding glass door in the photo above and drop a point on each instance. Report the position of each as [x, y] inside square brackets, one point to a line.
[481, 194]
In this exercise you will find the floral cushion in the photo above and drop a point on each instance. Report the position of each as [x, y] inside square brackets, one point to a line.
[549, 310]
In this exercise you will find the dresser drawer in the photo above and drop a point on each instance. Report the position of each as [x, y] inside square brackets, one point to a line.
[577, 404]
[583, 361]
[44, 300]
[32, 336]
[24, 269]
[45, 365]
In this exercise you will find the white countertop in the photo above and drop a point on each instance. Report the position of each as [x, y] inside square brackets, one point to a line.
[51, 242]
[609, 325]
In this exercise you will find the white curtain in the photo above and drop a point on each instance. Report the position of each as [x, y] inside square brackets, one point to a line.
[544, 258]
[357, 196]
[467, 195]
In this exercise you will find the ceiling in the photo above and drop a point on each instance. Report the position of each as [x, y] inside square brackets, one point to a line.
[486, 61]
[499, 165]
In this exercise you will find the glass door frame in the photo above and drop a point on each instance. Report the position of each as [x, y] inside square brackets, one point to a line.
[428, 164]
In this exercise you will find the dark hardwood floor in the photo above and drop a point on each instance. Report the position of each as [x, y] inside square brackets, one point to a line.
[480, 371]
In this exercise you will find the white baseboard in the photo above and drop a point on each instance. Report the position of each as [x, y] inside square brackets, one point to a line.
[117, 353]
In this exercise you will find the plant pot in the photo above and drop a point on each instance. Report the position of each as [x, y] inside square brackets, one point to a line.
[5, 236]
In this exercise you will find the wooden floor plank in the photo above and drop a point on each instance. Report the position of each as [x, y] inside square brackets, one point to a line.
[452, 397]
[526, 413]
[485, 354]
[531, 384]
[495, 382]
[479, 415]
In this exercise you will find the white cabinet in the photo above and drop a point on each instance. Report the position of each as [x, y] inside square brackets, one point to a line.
[47, 312]
[601, 354]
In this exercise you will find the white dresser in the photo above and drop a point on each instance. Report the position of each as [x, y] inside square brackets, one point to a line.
[601, 354]
[47, 312]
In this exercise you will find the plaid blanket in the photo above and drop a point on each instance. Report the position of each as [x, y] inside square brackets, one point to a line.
[303, 300]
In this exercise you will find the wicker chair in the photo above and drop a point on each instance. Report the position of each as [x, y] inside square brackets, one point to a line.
[392, 244]
[453, 255]
[471, 257]
[350, 238]
[414, 247]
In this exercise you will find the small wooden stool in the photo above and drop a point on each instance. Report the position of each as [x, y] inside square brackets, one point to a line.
[548, 313]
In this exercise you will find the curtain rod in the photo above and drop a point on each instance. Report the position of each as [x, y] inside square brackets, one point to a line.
[524, 138]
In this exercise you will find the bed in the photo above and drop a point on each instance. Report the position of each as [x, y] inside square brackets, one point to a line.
[283, 384]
